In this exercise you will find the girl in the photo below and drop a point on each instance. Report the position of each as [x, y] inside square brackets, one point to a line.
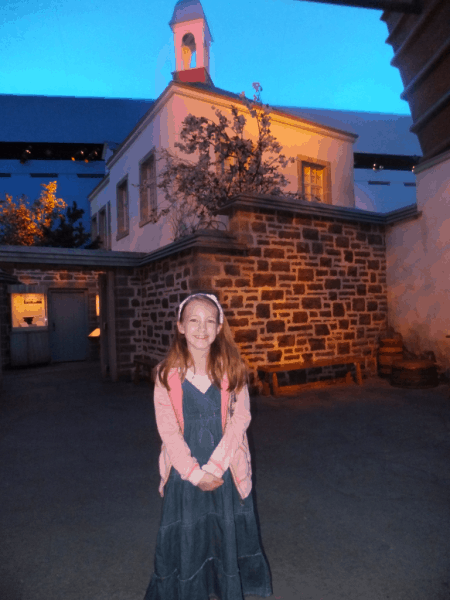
[208, 542]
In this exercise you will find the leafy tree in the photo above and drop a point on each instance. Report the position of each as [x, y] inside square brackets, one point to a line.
[69, 234]
[17, 225]
[227, 162]
[24, 224]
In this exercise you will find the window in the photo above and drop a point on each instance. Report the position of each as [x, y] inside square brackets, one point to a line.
[108, 214]
[94, 229]
[313, 182]
[314, 179]
[122, 208]
[147, 186]
[102, 228]
[223, 165]
[29, 310]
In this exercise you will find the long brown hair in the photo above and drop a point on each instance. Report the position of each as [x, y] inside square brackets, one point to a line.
[224, 358]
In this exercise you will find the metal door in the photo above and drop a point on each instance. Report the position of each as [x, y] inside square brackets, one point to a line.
[68, 321]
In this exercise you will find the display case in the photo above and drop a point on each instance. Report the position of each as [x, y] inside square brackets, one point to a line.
[29, 334]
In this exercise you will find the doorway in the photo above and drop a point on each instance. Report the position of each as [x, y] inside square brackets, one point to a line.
[68, 325]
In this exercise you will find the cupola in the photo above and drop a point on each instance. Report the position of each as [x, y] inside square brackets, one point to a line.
[192, 39]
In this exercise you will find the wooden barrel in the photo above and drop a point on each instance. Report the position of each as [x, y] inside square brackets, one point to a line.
[390, 350]
[414, 374]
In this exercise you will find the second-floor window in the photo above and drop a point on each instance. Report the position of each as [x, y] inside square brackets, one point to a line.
[94, 230]
[222, 166]
[122, 208]
[313, 181]
[147, 186]
[103, 228]
[108, 216]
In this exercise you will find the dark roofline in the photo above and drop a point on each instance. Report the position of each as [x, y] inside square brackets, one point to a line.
[343, 110]
[74, 97]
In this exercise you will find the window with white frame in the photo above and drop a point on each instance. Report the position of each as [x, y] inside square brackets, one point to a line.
[102, 228]
[148, 190]
[94, 230]
[108, 215]
[313, 182]
[223, 165]
[122, 208]
[314, 179]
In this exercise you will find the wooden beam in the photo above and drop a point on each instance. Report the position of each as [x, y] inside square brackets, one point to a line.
[404, 6]
[111, 324]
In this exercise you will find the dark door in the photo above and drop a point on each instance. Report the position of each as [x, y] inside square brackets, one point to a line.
[68, 326]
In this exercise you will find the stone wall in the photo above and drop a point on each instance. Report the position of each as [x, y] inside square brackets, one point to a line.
[305, 287]
[165, 284]
[129, 329]
[312, 287]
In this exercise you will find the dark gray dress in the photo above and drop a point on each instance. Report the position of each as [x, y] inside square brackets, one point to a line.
[208, 542]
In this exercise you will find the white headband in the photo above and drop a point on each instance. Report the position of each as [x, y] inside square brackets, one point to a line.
[210, 297]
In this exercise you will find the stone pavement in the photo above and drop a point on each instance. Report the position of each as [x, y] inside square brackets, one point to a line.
[352, 486]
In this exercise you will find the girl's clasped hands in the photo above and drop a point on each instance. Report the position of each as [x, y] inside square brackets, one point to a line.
[210, 482]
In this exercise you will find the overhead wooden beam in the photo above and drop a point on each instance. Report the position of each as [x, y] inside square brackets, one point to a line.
[405, 6]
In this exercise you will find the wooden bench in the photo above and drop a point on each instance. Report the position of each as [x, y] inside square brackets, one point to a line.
[272, 370]
[143, 365]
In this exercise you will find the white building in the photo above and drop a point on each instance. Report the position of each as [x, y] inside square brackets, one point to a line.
[326, 141]
[71, 140]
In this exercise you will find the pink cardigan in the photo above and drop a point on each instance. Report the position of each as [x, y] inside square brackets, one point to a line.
[232, 451]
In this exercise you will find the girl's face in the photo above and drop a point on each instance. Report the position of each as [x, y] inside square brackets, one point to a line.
[199, 324]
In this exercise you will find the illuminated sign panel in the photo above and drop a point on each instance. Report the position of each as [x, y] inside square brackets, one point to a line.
[29, 310]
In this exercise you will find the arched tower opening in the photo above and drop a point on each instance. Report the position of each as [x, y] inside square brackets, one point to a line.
[192, 39]
[188, 51]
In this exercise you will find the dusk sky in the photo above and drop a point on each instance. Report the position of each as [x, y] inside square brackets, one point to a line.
[303, 54]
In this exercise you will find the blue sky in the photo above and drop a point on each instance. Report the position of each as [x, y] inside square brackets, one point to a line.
[303, 53]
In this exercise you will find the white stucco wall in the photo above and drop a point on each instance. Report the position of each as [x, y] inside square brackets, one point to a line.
[297, 138]
[418, 266]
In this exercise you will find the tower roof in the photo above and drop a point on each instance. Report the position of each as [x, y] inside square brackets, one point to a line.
[187, 10]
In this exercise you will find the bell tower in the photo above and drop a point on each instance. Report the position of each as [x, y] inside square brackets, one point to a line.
[192, 39]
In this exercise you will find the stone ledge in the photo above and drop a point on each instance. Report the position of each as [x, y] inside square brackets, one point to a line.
[69, 256]
[202, 239]
[251, 203]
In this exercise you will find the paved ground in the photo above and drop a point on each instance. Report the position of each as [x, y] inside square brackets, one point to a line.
[352, 485]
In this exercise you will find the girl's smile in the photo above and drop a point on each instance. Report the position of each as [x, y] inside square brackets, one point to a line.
[199, 324]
